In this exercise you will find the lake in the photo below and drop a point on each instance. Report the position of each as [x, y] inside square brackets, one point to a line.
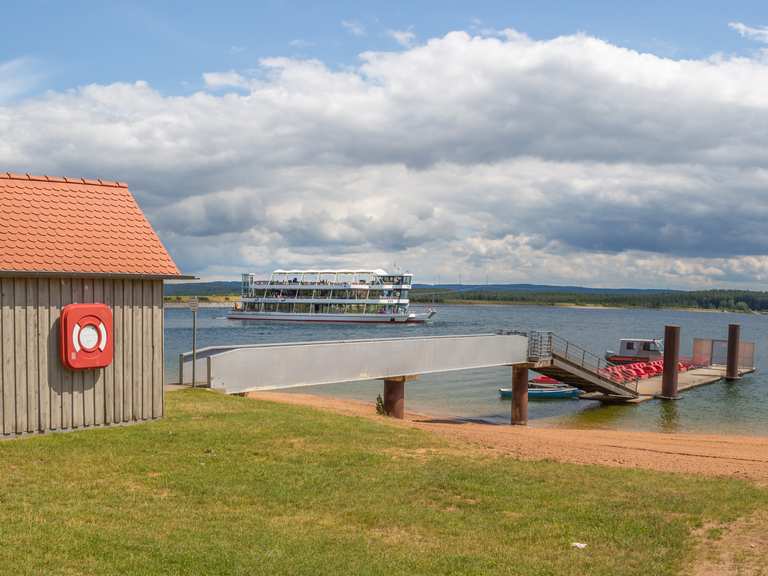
[736, 408]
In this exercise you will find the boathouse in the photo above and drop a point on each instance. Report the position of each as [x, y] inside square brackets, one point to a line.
[81, 306]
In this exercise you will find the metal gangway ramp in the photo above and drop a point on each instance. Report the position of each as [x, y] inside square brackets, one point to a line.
[558, 358]
[249, 368]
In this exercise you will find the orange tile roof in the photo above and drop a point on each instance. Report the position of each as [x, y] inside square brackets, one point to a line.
[76, 226]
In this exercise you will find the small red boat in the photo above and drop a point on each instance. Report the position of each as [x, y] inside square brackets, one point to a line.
[544, 380]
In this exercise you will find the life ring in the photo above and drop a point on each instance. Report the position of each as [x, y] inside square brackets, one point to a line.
[89, 334]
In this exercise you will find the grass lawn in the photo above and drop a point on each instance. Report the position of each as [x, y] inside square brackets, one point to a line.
[226, 485]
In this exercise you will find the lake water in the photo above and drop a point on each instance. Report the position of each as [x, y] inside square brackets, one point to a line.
[737, 408]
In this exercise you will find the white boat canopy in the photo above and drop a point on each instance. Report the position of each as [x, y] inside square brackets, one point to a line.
[378, 272]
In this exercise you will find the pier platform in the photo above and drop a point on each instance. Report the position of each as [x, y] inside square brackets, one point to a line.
[650, 388]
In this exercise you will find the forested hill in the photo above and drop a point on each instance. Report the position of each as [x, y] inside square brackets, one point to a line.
[733, 300]
[226, 288]
[223, 288]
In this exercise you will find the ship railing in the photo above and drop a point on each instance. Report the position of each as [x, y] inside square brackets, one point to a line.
[318, 300]
[329, 285]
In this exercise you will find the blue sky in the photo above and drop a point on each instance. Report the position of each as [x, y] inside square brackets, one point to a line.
[170, 44]
[593, 143]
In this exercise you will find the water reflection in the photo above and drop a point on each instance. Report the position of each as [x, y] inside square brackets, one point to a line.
[592, 414]
[669, 416]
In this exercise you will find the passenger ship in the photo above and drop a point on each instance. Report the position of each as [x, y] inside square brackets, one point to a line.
[370, 296]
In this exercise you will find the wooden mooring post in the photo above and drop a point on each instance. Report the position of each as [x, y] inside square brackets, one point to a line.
[732, 368]
[671, 358]
[394, 395]
[519, 416]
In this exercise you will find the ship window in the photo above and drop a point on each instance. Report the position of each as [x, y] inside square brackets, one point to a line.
[630, 345]
[647, 346]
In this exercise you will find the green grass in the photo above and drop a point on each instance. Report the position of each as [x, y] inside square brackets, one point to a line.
[227, 485]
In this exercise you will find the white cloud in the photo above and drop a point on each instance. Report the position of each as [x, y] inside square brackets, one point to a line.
[354, 27]
[17, 77]
[570, 160]
[760, 34]
[300, 43]
[479, 27]
[218, 80]
[403, 37]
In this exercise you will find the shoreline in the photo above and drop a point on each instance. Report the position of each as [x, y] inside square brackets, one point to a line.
[582, 306]
[733, 456]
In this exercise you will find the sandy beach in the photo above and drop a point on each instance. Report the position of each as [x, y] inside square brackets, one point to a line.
[743, 457]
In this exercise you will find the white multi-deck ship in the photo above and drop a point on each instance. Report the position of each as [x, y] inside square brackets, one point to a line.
[328, 296]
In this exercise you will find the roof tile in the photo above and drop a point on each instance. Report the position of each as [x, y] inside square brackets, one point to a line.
[76, 226]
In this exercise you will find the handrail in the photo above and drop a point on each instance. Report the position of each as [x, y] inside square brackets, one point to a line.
[219, 349]
[543, 345]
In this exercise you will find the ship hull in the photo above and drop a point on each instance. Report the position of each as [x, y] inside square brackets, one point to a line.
[331, 318]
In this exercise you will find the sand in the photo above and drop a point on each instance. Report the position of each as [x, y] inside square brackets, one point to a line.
[712, 455]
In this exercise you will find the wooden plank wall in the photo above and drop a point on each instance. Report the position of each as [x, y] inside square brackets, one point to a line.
[38, 394]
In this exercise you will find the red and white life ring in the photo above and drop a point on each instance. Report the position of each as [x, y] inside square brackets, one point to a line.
[86, 336]
[89, 334]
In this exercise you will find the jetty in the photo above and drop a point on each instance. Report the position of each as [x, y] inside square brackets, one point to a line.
[395, 361]
[571, 364]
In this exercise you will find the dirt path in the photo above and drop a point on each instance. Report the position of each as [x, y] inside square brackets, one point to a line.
[734, 456]
[740, 548]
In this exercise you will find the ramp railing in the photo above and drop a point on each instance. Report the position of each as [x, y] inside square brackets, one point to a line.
[547, 345]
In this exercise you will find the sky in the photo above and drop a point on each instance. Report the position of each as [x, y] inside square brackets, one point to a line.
[616, 144]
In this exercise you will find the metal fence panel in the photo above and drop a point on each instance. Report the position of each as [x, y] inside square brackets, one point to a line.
[702, 352]
[709, 352]
[747, 355]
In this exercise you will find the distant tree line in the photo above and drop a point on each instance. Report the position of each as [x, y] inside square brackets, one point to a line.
[731, 300]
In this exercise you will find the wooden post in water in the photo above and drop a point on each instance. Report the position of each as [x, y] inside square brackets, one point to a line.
[732, 369]
[394, 397]
[519, 396]
[671, 358]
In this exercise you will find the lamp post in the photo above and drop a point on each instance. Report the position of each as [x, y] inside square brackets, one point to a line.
[193, 306]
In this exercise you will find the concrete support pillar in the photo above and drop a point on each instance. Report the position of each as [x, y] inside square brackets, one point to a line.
[519, 396]
[394, 397]
[671, 358]
[734, 335]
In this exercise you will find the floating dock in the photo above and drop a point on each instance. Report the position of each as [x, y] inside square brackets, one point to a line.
[651, 387]
[571, 364]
